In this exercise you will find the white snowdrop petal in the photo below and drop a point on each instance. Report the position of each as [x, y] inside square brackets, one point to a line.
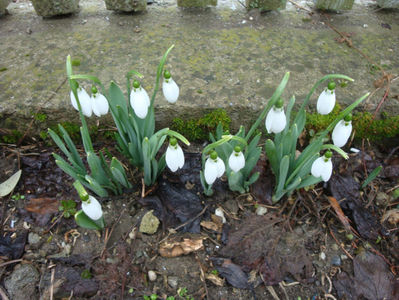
[279, 121]
[92, 208]
[145, 96]
[73, 101]
[269, 120]
[341, 133]
[326, 102]
[220, 167]
[317, 166]
[101, 104]
[170, 90]
[275, 120]
[321, 168]
[85, 102]
[95, 107]
[210, 171]
[139, 103]
[327, 170]
[236, 162]
[174, 158]
[171, 159]
[180, 157]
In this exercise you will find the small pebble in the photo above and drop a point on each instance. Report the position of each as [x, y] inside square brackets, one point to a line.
[322, 256]
[172, 281]
[219, 213]
[152, 276]
[261, 210]
[336, 260]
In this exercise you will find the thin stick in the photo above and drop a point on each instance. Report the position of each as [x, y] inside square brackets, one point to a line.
[192, 219]
[52, 283]
[3, 294]
[202, 277]
[338, 243]
[10, 262]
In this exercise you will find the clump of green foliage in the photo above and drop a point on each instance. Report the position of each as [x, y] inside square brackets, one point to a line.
[363, 124]
[11, 138]
[366, 127]
[199, 129]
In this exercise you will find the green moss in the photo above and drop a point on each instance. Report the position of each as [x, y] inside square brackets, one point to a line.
[363, 124]
[40, 117]
[3, 69]
[75, 62]
[72, 129]
[199, 129]
[11, 138]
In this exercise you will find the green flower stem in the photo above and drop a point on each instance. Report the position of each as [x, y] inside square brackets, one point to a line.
[276, 95]
[224, 139]
[336, 149]
[178, 136]
[84, 196]
[327, 77]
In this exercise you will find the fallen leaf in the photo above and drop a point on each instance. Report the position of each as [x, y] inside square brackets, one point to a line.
[42, 206]
[258, 244]
[211, 226]
[338, 210]
[173, 248]
[7, 186]
[233, 274]
[392, 216]
[215, 279]
[13, 248]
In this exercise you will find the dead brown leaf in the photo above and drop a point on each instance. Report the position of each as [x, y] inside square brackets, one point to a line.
[392, 216]
[211, 226]
[173, 248]
[338, 210]
[42, 206]
[215, 279]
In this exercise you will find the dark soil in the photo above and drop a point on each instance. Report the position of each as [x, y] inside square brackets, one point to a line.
[336, 241]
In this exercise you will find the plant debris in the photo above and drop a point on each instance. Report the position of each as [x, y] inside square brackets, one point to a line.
[173, 248]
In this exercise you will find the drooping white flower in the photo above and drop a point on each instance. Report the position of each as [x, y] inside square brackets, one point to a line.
[169, 88]
[342, 131]
[99, 103]
[276, 119]
[326, 100]
[139, 100]
[236, 160]
[214, 168]
[322, 167]
[85, 102]
[92, 208]
[174, 156]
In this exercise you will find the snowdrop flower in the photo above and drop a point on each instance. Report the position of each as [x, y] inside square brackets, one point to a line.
[326, 101]
[322, 167]
[236, 159]
[214, 168]
[85, 102]
[342, 131]
[139, 100]
[99, 103]
[92, 208]
[276, 119]
[170, 88]
[174, 156]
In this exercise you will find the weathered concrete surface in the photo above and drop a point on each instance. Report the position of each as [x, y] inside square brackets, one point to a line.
[223, 57]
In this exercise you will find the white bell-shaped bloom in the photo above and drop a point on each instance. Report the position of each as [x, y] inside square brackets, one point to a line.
[341, 133]
[214, 168]
[85, 102]
[322, 167]
[100, 104]
[92, 208]
[140, 101]
[220, 166]
[275, 120]
[326, 102]
[169, 88]
[236, 160]
[174, 156]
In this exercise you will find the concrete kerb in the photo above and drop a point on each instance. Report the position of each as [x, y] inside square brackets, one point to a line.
[224, 57]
